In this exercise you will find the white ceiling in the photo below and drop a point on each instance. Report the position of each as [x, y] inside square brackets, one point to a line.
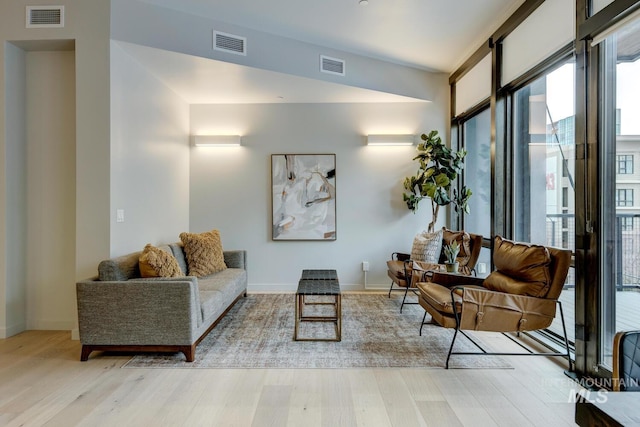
[433, 34]
[436, 35]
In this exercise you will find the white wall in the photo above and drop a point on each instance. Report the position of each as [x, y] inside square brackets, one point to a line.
[231, 187]
[50, 191]
[149, 157]
[13, 179]
[87, 24]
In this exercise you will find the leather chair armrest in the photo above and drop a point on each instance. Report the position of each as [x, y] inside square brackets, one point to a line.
[449, 280]
[400, 256]
[486, 310]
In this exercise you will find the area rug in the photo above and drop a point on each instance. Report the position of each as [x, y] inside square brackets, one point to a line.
[258, 333]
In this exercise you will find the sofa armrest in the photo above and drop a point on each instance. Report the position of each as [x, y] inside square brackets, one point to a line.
[236, 259]
[159, 311]
[449, 280]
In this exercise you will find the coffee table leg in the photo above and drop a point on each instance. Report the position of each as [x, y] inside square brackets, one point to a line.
[295, 333]
[339, 317]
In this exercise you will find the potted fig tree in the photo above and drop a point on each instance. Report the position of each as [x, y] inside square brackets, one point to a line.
[438, 167]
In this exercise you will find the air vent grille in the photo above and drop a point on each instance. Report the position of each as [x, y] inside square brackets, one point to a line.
[45, 16]
[332, 65]
[229, 43]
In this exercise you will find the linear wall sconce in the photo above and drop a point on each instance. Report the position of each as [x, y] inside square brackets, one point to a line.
[216, 140]
[390, 139]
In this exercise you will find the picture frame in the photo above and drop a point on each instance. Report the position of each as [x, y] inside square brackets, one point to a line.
[303, 197]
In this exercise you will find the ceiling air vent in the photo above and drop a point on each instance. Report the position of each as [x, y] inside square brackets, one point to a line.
[45, 16]
[229, 43]
[332, 65]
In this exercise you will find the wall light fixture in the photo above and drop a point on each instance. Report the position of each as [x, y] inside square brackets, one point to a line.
[390, 139]
[216, 140]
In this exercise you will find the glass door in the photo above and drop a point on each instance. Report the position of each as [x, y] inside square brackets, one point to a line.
[544, 171]
[476, 137]
[619, 185]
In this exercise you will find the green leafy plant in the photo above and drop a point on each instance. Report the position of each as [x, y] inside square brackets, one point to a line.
[451, 251]
[438, 167]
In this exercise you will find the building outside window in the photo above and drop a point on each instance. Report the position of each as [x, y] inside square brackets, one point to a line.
[625, 164]
[624, 197]
[626, 222]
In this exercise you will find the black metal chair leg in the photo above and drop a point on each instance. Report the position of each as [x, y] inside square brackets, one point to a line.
[566, 340]
[406, 291]
[457, 316]
[455, 334]
[422, 324]
[391, 288]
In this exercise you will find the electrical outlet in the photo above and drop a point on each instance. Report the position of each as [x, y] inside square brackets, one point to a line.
[365, 265]
[482, 268]
[119, 215]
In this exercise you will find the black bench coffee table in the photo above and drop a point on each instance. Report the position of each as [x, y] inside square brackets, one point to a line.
[320, 283]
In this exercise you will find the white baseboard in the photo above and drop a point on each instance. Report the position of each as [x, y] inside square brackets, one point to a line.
[52, 325]
[383, 287]
[12, 330]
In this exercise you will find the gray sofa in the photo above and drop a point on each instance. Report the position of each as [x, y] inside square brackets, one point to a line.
[120, 311]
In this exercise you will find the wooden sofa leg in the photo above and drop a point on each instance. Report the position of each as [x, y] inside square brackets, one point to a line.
[86, 351]
[189, 352]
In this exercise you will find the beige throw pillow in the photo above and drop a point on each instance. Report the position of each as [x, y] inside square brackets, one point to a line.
[427, 247]
[203, 252]
[154, 262]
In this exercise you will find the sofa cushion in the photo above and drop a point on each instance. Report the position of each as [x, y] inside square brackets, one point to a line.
[521, 268]
[178, 252]
[439, 297]
[213, 305]
[156, 262]
[427, 246]
[203, 253]
[225, 286]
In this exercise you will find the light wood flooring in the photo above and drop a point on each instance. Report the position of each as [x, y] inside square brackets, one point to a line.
[42, 382]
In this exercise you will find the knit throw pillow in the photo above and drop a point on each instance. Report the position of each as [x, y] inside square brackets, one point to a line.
[154, 262]
[203, 252]
[427, 246]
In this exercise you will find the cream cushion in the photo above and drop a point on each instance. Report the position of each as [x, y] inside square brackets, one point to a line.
[426, 247]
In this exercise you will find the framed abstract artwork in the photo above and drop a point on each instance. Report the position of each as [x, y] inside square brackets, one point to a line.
[303, 196]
